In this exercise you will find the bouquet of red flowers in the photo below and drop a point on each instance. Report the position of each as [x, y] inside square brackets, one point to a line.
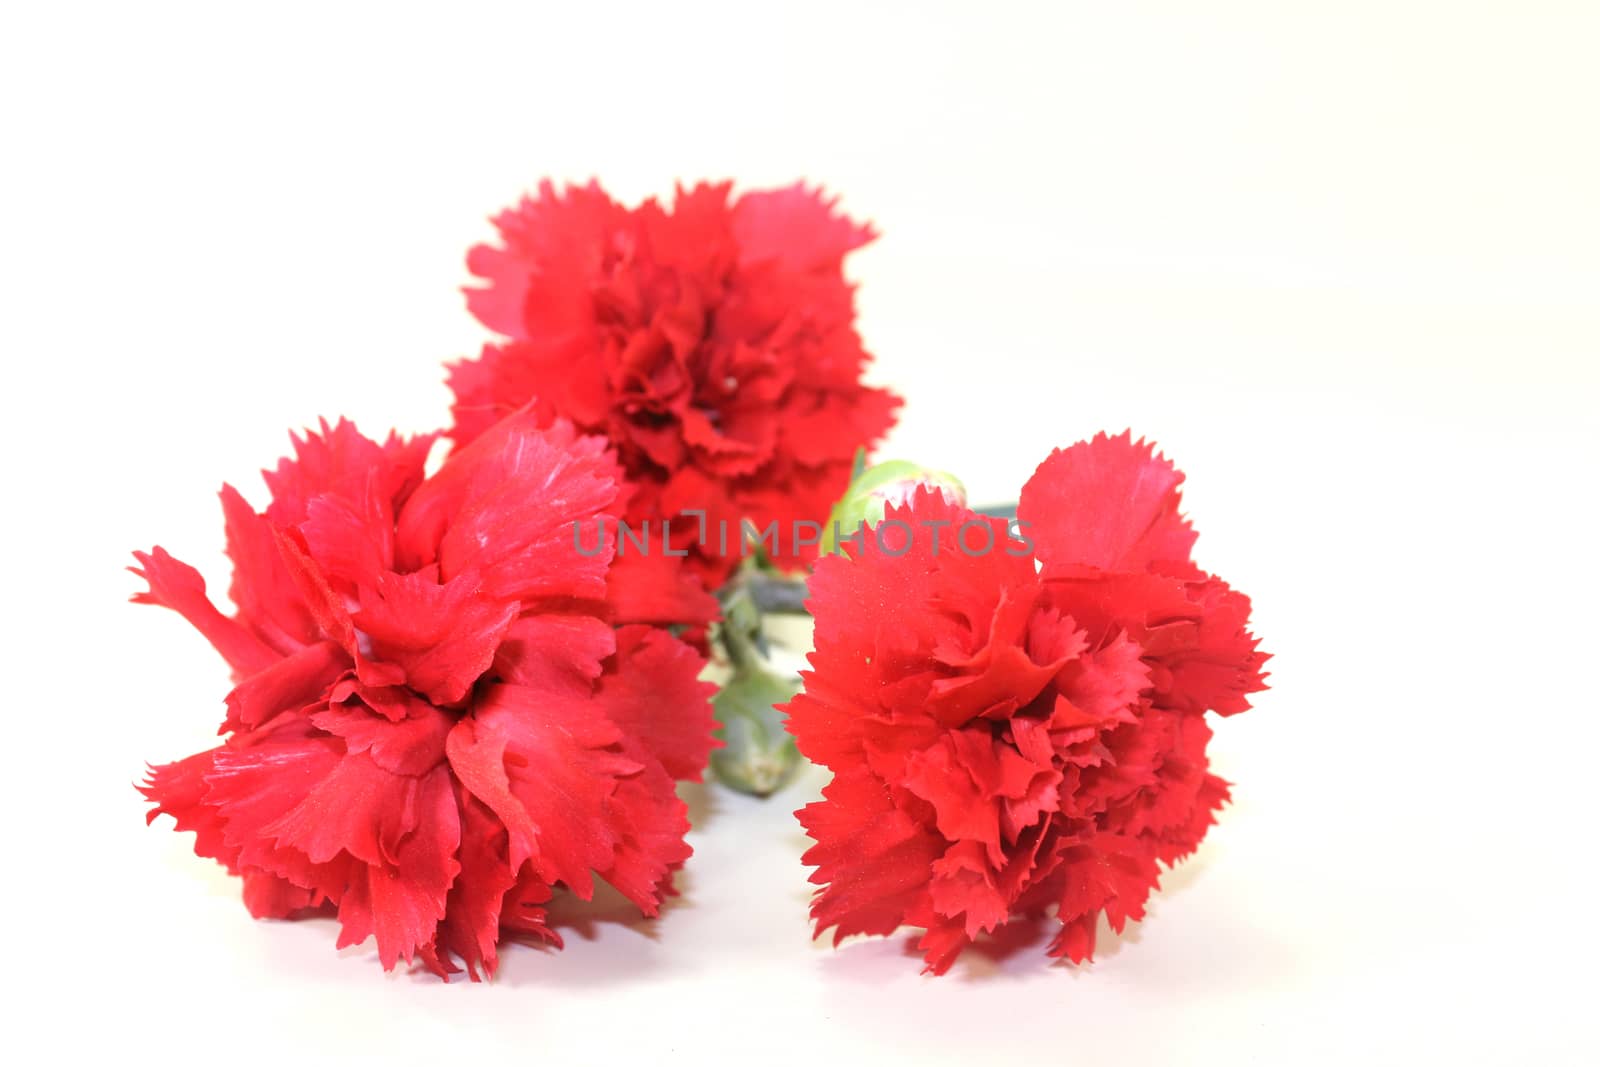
[458, 694]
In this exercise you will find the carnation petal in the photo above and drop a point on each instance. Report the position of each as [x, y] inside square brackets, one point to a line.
[1110, 503]
[291, 684]
[444, 637]
[556, 653]
[658, 589]
[176, 585]
[797, 227]
[268, 600]
[408, 894]
[872, 860]
[180, 790]
[339, 461]
[654, 695]
[546, 766]
[651, 821]
[471, 925]
[510, 507]
[266, 896]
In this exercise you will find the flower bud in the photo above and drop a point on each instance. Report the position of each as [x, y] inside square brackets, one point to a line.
[757, 754]
[875, 490]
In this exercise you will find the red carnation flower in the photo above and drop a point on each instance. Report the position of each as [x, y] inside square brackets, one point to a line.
[436, 722]
[712, 343]
[1017, 724]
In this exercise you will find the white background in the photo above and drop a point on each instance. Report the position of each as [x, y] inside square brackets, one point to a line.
[1339, 259]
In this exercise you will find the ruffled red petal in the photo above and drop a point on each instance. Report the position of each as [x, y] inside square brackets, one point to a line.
[654, 695]
[871, 858]
[444, 637]
[1111, 503]
[547, 766]
[176, 585]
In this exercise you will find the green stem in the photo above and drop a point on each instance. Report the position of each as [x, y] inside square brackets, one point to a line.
[775, 595]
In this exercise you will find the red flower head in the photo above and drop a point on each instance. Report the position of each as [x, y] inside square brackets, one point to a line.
[712, 343]
[436, 722]
[1018, 725]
